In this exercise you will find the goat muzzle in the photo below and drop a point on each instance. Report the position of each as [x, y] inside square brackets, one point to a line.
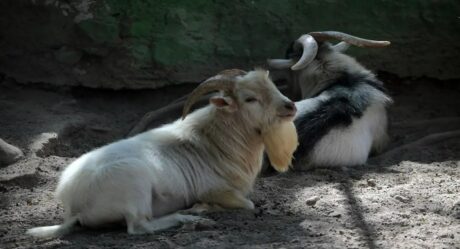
[287, 111]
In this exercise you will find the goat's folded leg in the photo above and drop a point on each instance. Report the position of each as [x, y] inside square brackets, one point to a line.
[219, 201]
[200, 208]
[229, 200]
[146, 226]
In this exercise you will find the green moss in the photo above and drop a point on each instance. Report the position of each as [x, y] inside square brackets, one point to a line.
[101, 30]
[179, 32]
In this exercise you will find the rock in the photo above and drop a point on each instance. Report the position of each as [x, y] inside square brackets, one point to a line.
[371, 182]
[312, 200]
[9, 153]
[402, 198]
[296, 240]
[125, 50]
[335, 214]
[456, 209]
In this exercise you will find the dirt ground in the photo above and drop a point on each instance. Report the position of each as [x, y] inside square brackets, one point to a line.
[407, 198]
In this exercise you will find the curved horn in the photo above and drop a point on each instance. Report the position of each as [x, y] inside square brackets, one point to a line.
[280, 63]
[353, 40]
[310, 48]
[341, 46]
[232, 72]
[219, 82]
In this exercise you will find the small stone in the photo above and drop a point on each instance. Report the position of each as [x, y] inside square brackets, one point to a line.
[371, 182]
[312, 200]
[401, 198]
[446, 235]
[296, 240]
[335, 214]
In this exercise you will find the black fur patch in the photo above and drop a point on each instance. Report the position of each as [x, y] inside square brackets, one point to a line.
[347, 102]
[348, 80]
[312, 126]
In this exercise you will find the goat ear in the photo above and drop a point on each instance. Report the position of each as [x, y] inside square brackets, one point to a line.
[225, 103]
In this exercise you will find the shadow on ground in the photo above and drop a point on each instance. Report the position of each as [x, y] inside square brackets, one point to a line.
[405, 199]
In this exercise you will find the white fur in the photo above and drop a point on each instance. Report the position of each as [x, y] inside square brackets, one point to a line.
[351, 145]
[212, 156]
[313, 78]
[342, 146]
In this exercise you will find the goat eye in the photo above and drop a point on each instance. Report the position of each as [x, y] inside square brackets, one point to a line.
[250, 99]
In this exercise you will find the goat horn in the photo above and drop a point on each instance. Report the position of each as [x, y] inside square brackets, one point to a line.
[310, 48]
[280, 63]
[219, 82]
[341, 46]
[232, 72]
[353, 40]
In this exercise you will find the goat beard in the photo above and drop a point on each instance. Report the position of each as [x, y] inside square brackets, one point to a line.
[280, 143]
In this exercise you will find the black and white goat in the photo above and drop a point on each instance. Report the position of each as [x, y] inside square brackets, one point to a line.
[213, 157]
[342, 117]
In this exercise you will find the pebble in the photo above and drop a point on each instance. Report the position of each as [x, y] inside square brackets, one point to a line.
[312, 200]
[296, 240]
[401, 198]
[371, 182]
[335, 214]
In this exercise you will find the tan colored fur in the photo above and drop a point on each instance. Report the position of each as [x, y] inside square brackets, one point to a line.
[280, 143]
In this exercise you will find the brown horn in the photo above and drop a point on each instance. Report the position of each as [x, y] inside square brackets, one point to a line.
[310, 48]
[219, 82]
[233, 72]
[353, 40]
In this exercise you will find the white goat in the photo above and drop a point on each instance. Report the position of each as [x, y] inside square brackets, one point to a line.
[343, 115]
[212, 156]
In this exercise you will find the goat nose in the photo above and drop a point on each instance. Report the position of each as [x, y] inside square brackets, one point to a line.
[290, 106]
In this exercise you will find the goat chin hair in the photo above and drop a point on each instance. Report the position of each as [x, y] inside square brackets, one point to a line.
[280, 143]
[54, 231]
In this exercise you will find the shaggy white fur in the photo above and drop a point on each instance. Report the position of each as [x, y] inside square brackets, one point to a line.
[212, 156]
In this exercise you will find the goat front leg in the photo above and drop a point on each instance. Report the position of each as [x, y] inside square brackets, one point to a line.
[229, 199]
[146, 226]
[201, 207]
[219, 201]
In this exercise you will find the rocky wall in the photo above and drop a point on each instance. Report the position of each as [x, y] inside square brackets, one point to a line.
[150, 43]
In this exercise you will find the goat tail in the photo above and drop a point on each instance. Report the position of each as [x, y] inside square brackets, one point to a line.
[54, 231]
